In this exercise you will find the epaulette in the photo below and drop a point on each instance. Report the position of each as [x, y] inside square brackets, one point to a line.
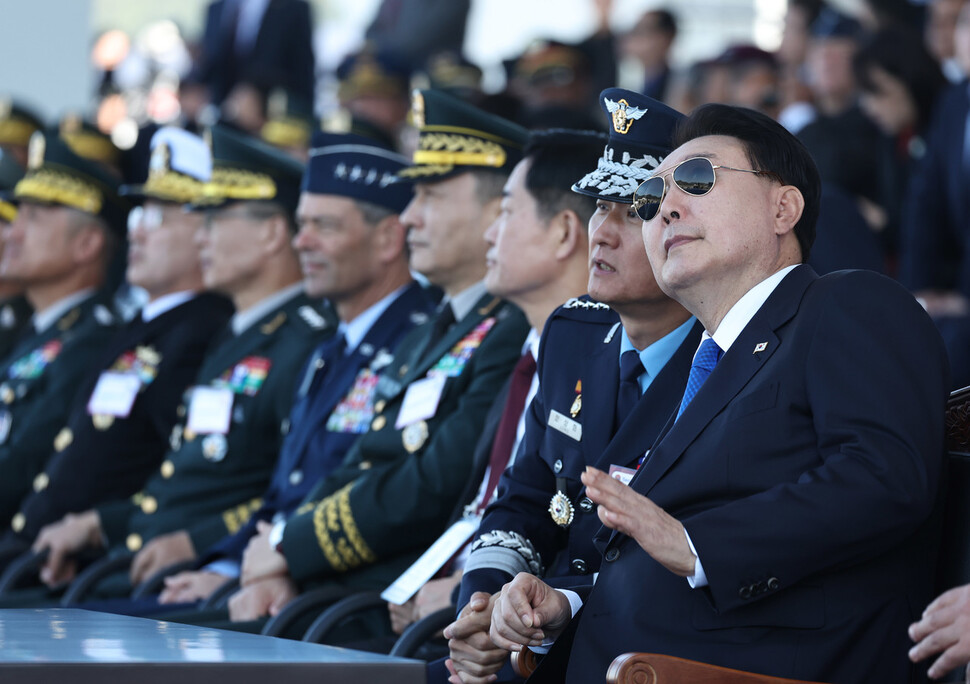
[579, 303]
[585, 310]
[312, 317]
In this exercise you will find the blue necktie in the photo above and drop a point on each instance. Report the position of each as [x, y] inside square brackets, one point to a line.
[628, 394]
[705, 359]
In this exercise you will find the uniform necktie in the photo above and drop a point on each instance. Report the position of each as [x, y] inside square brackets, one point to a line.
[631, 368]
[705, 359]
[508, 425]
[442, 322]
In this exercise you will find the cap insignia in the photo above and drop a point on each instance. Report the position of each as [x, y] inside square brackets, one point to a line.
[623, 115]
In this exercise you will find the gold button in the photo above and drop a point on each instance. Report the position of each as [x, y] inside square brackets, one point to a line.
[18, 522]
[168, 469]
[364, 465]
[188, 435]
[149, 505]
[7, 394]
[41, 482]
[63, 439]
[133, 542]
[379, 406]
[378, 423]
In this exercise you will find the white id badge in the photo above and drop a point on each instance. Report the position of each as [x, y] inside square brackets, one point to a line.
[420, 400]
[114, 395]
[431, 561]
[210, 410]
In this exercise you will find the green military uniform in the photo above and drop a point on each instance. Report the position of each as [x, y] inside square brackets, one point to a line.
[208, 484]
[366, 522]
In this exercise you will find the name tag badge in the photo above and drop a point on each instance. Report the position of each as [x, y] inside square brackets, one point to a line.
[621, 474]
[431, 561]
[565, 425]
[210, 410]
[114, 395]
[420, 400]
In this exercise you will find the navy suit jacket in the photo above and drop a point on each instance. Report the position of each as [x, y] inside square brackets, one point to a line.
[310, 451]
[578, 344]
[807, 475]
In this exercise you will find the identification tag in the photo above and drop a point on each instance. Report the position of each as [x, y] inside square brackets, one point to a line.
[431, 561]
[565, 425]
[420, 400]
[114, 395]
[621, 474]
[210, 410]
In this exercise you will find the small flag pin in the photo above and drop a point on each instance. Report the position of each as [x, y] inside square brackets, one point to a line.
[760, 347]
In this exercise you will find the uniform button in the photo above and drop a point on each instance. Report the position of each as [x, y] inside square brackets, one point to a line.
[745, 593]
[585, 504]
[579, 566]
[63, 439]
[773, 583]
[320, 363]
[133, 542]
[168, 469]
[557, 466]
[18, 522]
[378, 423]
[188, 435]
[149, 505]
[760, 588]
[7, 394]
[403, 370]
[41, 482]
[612, 555]
[379, 406]
[296, 477]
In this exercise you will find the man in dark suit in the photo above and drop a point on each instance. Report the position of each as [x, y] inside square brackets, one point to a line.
[397, 486]
[612, 369]
[58, 246]
[782, 521]
[352, 249]
[537, 256]
[124, 407]
[224, 446]
[262, 43]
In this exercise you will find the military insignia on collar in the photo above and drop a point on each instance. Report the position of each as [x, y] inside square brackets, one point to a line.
[35, 151]
[417, 109]
[103, 315]
[561, 510]
[312, 318]
[160, 160]
[623, 115]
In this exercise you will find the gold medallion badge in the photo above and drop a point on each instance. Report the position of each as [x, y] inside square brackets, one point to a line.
[561, 510]
[414, 436]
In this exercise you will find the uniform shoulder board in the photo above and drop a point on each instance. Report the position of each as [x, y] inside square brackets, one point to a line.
[103, 315]
[578, 303]
[312, 317]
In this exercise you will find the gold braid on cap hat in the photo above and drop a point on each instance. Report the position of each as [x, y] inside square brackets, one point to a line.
[49, 185]
[237, 184]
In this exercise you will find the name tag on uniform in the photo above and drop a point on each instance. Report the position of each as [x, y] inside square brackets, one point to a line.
[565, 425]
[210, 410]
[114, 395]
[431, 561]
[621, 474]
[420, 400]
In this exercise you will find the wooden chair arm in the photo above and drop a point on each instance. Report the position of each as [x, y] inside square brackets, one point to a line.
[652, 668]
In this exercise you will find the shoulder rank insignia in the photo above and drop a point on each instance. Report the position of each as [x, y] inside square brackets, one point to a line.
[577, 303]
[312, 317]
[273, 325]
[561, 509]
[623, 115]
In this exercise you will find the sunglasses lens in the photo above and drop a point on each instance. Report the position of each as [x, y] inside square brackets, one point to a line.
[695, 176]
[646, 200]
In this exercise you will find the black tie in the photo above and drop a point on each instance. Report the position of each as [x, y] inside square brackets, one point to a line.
[442, 323]
[631, 368]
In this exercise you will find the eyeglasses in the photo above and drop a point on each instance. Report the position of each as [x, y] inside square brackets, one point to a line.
[695, 176]
[147, 218]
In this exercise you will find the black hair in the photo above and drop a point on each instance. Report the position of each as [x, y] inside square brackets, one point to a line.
[560, 157]
[769, 148]
[666, 21]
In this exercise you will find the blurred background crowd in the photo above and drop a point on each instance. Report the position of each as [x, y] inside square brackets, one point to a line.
[877, 90]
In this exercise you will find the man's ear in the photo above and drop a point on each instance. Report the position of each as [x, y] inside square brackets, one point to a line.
[89, 243]
[569, 232]
[788, 205]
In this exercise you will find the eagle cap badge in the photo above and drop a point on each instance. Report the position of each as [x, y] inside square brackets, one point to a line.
[623, 114]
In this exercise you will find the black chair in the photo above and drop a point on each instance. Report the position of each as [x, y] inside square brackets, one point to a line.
[304, 608]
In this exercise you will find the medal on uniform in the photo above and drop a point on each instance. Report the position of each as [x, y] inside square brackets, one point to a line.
[214, 447]
[414, 436]
[561, 509]
[578, 401]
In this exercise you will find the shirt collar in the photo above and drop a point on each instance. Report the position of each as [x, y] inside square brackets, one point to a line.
[656, 355]
[243, 320]
[463, 302]
[157, 307]
[739, 315]
[354, 331]
[44, 319]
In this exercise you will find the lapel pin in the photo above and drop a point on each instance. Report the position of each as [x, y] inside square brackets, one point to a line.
[760, 347]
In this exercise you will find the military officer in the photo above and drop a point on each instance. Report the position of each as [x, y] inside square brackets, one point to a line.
[612, 368]
[538, 251]
[58, 247]
[394, 491]
[224, 446]
[352, 249]
[118, 426]
[15, 310]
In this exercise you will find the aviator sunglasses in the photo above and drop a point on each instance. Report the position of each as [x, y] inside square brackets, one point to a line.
[695, 176]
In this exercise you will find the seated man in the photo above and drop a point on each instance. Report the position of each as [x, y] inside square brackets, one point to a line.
[781, 521]
[223, 449]
[944, 628]
[612, 370]
[119, 423]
